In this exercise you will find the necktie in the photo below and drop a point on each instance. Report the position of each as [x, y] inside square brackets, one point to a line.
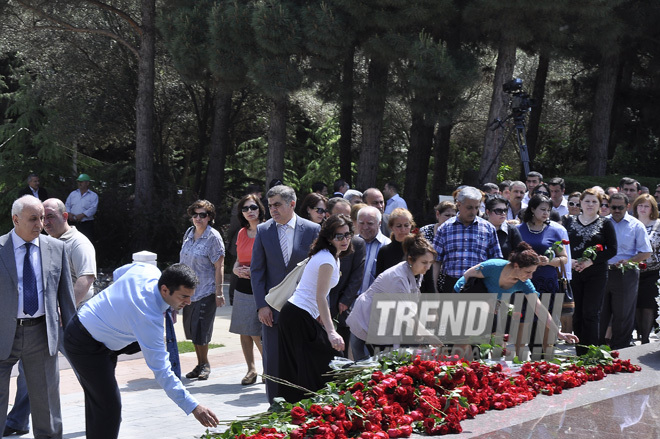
[172, 348]
[30, 297]
[284, 244]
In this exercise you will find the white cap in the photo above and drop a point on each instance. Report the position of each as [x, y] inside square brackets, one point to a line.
[145, 257]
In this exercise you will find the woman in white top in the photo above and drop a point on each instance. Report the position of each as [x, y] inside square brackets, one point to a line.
[307, 336]
[405, 277]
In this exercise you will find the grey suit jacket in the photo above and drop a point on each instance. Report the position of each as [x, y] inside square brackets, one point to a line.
[58, 291]
[267, 267]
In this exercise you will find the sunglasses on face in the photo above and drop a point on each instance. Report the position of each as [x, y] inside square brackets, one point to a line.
[341, 236]
[604, 205]
[202, 215]
[319, 210]
[499, 211]
[250, 207]
[547, 194]
[617, 207]
[573, 204]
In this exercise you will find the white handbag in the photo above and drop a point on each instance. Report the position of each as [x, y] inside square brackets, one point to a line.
[280, 293]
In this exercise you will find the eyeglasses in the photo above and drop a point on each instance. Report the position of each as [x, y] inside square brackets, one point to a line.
[573, 204]
[499, 211]
[617, 207]
[250, 207]
[320, 210]
[202, 215]
[547, 194]
[341, 236]
[604, 205]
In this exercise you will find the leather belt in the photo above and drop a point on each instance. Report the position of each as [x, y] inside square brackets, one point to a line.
[30, 321]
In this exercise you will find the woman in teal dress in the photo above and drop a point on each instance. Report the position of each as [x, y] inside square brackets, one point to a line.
[512, 276]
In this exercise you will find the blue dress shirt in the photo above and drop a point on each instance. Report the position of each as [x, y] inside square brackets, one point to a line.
[129, 310]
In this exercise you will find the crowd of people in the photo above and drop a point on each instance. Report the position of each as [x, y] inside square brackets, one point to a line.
[515, 237]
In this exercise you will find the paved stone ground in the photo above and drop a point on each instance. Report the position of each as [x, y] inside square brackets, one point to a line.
[621, 406]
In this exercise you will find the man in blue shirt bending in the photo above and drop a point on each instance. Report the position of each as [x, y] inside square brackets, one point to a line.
[129, 311]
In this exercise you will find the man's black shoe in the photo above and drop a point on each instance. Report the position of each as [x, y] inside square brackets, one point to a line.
[12, 431]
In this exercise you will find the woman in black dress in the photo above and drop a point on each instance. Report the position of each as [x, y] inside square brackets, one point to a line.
[586, 230]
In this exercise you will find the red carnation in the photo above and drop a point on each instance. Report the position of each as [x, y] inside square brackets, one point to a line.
[599, 248]
[565, 241]
[642, 265]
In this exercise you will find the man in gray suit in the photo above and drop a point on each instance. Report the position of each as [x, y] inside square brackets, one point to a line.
[281, 242]
[34, 283]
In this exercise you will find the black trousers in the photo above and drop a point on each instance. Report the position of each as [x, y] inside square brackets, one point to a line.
[619, 307]
[305, 352]
[95, 365]
[589, 291]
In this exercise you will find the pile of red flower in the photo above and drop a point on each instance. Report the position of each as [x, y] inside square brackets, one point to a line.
[422, 396]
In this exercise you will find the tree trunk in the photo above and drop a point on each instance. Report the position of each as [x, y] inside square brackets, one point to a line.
[372, 124]
[417, 166]
[490, 160]
[215, 175]
[440, 162]
[144, 113]
[346, 118]
[602, 115]
[277, 140]
[538, 94]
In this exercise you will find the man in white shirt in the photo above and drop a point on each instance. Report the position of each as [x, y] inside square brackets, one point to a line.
[129, 311]
[82, 205]
[559, 203]
[394, 200]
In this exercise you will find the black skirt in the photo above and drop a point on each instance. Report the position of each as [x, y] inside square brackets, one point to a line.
[305, 353]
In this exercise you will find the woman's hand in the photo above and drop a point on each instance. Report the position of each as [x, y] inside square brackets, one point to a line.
[242, 271]
[336, 341]
[568, 338]
[582, 265]
[220, 301]
[543, 260]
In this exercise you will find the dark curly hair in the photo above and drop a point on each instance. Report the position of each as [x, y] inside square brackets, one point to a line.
[524, 255]
[327, 234]
[310, 202]
[203, 204]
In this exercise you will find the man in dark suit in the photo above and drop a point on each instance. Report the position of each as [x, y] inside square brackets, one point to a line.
[351, 267]
[281, 242]
[33, 188]
[35, 283]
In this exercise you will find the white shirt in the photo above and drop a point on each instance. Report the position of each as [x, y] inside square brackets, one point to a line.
[35, 258]
[82, 256]
[563, 207]
[304, 297]
[129, 310]
[87, 203]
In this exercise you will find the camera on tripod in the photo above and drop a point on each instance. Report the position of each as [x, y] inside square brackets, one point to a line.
[520, 100]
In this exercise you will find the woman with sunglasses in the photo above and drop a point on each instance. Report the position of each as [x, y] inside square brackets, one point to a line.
[509, 236]
[400, 223]
[204, 251]
[313, 208]
[244, 317]
[605, 205]
[585, 230]
[307, 336]
[574, 203]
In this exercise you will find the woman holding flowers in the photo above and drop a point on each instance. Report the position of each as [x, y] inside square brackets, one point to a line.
[645, 209]
[308, 339]
[593, 242]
